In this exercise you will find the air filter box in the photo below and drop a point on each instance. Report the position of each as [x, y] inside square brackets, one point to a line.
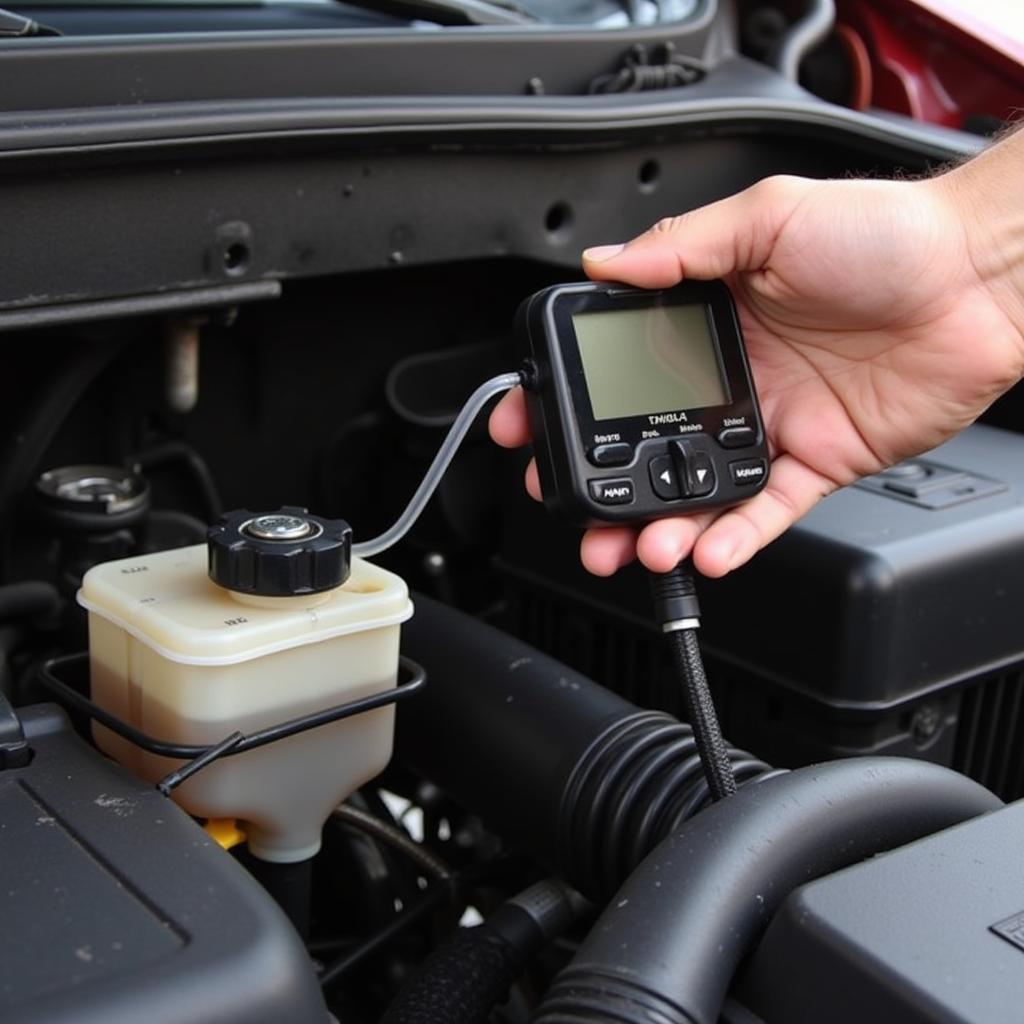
[887, 620]
[888, 615]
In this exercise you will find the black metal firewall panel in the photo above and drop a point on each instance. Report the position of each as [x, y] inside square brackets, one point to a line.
[100, 232]
[134, 190]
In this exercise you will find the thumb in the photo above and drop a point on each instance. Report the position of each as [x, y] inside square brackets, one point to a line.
[733, 234]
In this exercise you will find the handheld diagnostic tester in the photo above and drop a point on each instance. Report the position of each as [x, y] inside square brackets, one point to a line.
[641, 403]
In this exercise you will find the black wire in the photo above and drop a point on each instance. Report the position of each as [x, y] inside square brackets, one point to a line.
[28, 599]
[677, 611]
[185, 525]
[700, 713]
[27, 442]
[398, 840]
[187, 457]
[201, 756]
[10, 638]
[431, 898]
[642, 70]
[174, 779]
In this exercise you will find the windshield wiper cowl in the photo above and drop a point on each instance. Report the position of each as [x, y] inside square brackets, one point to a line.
[452, 12]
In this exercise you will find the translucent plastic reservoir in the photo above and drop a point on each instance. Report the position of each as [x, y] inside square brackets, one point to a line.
[186, 661]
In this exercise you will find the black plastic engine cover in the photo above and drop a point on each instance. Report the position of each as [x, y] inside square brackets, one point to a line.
[880, 623]
[118, 908]
[931, 933]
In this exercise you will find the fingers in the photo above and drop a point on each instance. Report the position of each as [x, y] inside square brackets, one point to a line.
[606, 549]
[508, 424]
[738, 534]
[714, 241]
[662, 545]
[532, 481]
[719, 542]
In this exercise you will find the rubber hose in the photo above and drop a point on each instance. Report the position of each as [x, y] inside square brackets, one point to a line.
[667, 946]
[24, 600]
[391, 835]
[27, 599]
[471, 973]
[187, 526]
[32, 436]
[290, 885]
[802, 36]
[186, 456]
[460, 983]
[10, 637]
[585, 780]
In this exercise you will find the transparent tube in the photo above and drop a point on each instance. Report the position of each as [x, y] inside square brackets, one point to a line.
[443, 458]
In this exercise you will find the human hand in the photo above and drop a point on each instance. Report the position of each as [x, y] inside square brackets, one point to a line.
[872, 336]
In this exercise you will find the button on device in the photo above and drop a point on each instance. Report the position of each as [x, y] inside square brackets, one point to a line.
[611, 454]
[748, 471]
[737, 437]
[664, 478]
[702, 474]
[613, 492]
[695, 468]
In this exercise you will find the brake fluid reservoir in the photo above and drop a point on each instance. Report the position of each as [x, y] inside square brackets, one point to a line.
[271, 620]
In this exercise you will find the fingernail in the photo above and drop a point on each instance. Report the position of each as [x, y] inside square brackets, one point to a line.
[600, 253]
[723, 551]
[730, 552]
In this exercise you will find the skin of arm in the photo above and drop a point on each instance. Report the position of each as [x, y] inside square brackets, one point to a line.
[881, 318]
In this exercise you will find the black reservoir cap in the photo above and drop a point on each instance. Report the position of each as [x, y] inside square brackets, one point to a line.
[285, 553]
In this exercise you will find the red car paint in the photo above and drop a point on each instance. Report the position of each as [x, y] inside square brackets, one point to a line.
[932, 61]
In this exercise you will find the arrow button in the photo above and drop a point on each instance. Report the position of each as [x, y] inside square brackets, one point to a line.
[664, 480]
[695, 469]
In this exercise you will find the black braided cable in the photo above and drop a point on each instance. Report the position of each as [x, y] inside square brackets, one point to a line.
[700, 712]
[677, 611]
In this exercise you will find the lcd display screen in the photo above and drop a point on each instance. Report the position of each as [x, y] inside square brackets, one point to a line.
[639, 362]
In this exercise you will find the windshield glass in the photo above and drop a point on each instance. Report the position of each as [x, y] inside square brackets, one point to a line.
[605, 14]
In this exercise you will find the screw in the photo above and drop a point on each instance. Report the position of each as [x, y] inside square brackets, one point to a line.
[925, 724]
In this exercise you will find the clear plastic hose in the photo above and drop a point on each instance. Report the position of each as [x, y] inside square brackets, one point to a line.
[459, 429]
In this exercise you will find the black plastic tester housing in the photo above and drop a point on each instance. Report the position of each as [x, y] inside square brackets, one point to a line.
[641, 403]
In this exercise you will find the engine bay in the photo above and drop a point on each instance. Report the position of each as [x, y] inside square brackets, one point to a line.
[282, 303]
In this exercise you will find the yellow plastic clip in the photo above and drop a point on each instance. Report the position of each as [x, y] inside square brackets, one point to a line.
[226, 832]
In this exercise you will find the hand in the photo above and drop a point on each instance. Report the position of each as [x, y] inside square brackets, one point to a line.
[871, 333]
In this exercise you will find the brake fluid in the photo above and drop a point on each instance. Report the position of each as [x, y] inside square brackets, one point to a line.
[292, 625]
